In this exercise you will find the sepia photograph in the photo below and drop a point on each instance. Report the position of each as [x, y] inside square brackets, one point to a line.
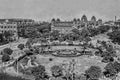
[59, 40]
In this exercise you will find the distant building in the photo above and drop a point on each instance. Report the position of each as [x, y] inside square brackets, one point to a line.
[117, 23]
[67, 26]
[64, 26]
[9, 27]
[84, 19]
[93, 21]
[99, 22]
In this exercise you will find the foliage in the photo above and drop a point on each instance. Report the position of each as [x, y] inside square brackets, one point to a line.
[39, 72]
[94, 72]
[5, 76]
[93, 31]
[8, 51]
[1, 37]
[5, 58]
[76, 31]
[115, 36]
[7, 34]
[55, 34]
[31, 32]
[29, 43]
[103, 28]
[56, 71]
[111, 69]
[21, 46]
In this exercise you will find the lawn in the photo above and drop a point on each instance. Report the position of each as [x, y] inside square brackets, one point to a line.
[81, 63]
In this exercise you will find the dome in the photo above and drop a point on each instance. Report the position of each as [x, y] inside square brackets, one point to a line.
[74, 19]
[58, 20]
[53, 19]
[84, 18]
[78, 19]
[93, 18]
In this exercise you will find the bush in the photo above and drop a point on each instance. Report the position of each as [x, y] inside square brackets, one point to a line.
[21, 46]
[111, 69]
[56, 71]
[8, 51]
[39, 72]
[115, 36]
[94, 72]
[5, 58]
[4, 76]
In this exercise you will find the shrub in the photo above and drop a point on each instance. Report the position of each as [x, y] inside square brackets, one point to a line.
[5, 58]
[7, 51]
[111, 69]
[39, 72]
[94, 72]
[4, 76]
[56, 71]
[21, 46]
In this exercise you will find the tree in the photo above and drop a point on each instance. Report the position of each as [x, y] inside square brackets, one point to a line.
[103, 29]
[115, 36]
[56, 71]
[5, 58]
[76, 31]
[94, 72]
[8, 51]
[111, 69]
[1, 37]
[21, 46]
[7, 35]
[55, 34]
[39, 72]
[29, 43]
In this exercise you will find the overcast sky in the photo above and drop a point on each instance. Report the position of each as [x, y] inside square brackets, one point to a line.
[64, 9]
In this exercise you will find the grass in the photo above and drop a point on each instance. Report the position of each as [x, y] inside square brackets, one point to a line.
[81, 62]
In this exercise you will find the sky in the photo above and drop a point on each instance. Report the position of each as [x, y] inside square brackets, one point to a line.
[63, 9]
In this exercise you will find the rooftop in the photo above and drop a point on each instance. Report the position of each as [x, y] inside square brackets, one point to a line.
[63, 24]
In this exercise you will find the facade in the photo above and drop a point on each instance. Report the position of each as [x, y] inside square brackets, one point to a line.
[21, 23]
[64, 26]
[67, 26]
[9, 27]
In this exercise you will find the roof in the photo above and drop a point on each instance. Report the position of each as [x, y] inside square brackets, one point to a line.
[63, 24]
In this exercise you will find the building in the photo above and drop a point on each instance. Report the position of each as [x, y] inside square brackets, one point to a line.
[93, 21]
[64, 26]
[99, 22]
[117, 23]
[9, 27]
[84, 19]
[21, 23]
[17, 21]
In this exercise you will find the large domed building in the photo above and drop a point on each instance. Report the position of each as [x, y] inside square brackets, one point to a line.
[68, 26]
